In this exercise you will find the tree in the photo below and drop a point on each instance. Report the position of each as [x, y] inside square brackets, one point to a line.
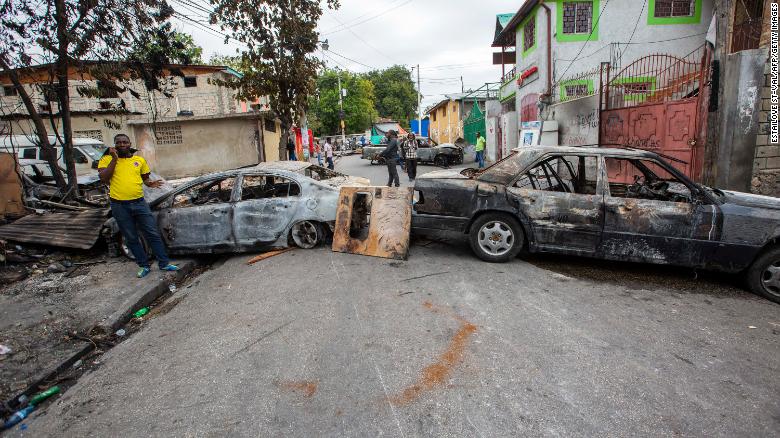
[231, 61]
[396, 96]
[63, 33]
[176, 47]
[358, 104]
[280, 37]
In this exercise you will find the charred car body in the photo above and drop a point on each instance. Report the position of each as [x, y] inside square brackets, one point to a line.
[442, 155]
[617, 204]
[261, 207]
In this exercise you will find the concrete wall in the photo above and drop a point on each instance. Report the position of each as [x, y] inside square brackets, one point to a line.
[578, 121]
[744, 77]
[766, 164]
[206, 146]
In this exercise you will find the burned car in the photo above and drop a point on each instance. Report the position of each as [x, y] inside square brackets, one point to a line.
[445, 154]
[270, 205]
[616, 204]
[39, 185]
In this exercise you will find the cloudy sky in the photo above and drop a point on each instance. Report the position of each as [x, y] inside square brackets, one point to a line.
[447, 38]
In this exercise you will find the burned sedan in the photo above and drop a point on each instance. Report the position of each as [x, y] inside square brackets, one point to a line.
[267, 206]
[616, 204]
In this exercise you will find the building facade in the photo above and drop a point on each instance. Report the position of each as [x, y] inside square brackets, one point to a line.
[195, 126]
[448, 115]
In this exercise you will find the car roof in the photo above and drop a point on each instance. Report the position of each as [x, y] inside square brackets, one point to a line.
[23, 141]
[290, 166]
[620, 152]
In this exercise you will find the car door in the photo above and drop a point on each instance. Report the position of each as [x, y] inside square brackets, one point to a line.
[561, 198]
[266, 207]
[660, 218]
[199, 217]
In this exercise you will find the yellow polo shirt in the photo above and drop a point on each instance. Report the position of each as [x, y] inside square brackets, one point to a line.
[126, 183]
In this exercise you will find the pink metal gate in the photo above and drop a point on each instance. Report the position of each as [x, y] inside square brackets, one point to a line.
[656, 104]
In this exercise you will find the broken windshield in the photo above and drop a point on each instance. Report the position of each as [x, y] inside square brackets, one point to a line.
[502, 172]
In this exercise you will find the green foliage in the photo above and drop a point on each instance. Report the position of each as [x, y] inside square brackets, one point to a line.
[359, 108]
[396, 96]
[232, 61]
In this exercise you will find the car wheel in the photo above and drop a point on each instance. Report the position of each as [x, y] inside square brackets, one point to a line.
[496, 237]
[120, 240]
[306, 234]
[763, 276]
[440, 160]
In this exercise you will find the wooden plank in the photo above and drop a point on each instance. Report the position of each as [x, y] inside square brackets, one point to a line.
[387, 233]
[267, 255]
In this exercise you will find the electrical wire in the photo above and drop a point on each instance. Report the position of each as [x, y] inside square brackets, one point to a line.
[367, 19]
[636, 24]
[351, 60]
[362, 40]
[356, 19]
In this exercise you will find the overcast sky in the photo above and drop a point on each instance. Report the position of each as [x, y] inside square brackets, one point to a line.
[448, 38]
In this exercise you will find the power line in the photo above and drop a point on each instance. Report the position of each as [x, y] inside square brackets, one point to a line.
[636, 24]
[351, 60]
[368, 19]
[364, 41]
[356, 19]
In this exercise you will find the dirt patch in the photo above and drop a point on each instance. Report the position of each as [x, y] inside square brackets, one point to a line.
[307, 388]
[437, 373]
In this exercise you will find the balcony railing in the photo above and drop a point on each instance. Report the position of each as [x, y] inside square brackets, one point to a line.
[509, 75]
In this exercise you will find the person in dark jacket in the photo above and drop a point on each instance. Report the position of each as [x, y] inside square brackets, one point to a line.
[291, 148]
[390, 154]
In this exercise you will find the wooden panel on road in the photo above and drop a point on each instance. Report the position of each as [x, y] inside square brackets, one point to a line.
[374, 221]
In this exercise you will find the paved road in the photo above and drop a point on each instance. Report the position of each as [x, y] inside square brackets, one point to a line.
[354, 165]
[315, 343]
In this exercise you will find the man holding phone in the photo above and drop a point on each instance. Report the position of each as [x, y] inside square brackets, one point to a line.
[126, 174]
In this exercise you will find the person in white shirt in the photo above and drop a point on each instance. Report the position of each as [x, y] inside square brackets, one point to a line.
[329, 154]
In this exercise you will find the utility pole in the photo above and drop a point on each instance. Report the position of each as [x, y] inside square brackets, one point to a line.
[419, 104]
[462, 90]
[341, 112]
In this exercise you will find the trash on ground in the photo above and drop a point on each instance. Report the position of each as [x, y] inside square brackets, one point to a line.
[121, 332]
[752, 327]
[374, 221]
[266, 255]
[17, 417]
[141, 312]
[4, 349]
[75, 229]
[41, 396]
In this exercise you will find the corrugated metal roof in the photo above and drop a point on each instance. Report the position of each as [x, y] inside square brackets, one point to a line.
[77, 229]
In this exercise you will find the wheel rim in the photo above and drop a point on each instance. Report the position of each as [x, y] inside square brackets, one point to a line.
[305, 234]
[496, 238]
[770, 278]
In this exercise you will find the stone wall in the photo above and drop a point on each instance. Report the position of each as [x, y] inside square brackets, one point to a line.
[766, 166]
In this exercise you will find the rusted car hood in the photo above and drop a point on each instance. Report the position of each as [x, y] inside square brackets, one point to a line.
[750, 200]
[443, 174]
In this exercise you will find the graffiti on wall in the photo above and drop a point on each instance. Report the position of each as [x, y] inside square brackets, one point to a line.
[581, 129]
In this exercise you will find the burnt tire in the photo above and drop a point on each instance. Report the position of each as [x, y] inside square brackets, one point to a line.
[125, 250]
[496, 237]
[306, 234]
[440, 160]
[763, 276]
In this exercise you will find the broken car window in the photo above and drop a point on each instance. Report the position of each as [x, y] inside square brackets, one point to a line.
[210, 192]
[504, 171]
[319, 173]
[644, 179]
[567, 174]
[268, 186]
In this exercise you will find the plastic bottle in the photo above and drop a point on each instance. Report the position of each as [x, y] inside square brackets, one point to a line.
[17, 417]
[141, 312]
[41, 396]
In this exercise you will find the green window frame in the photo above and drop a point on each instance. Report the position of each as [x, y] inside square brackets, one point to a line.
[564, 84]
[639, 97]
[574, 37]
[521, 30]
[692, 19]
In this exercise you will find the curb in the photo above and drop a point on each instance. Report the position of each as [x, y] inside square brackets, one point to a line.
[141, 296]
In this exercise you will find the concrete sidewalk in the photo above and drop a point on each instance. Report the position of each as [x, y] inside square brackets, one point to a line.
[315, 343]
[39, 316]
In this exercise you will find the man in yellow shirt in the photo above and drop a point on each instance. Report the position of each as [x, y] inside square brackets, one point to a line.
[125, 173]
[479, 148]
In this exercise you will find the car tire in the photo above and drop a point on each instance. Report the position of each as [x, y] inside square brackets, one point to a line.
[306, 234]
[496, 237]
[125, 250]
[440, 160]
[763, 276]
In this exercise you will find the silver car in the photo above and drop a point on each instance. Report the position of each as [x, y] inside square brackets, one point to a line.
[267, 206]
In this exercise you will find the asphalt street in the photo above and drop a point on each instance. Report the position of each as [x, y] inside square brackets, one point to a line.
[377, 173]
[316, 343]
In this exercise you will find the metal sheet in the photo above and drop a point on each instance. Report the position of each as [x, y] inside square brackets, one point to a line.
[383, 233]
[78, 230]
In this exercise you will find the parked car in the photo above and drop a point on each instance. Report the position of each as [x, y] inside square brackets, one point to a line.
[616, 204]
[445, 154]
[86, 151]
[267, 206]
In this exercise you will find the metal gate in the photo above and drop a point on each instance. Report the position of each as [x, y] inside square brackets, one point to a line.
[656, 104]
[474, 123]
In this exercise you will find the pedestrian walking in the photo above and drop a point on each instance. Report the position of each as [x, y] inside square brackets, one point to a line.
[126, 174]
[291, 148]
[390, 154]
[318, 151]
[410, 155]
[329, 153]
[362, 141]
[479, 148]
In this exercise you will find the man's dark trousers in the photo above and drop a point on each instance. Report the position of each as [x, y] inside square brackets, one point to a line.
[411, 167]
[392, 172]
[132, 216]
